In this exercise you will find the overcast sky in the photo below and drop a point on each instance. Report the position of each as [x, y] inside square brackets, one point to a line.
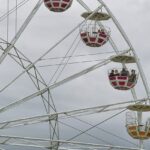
[93, 89]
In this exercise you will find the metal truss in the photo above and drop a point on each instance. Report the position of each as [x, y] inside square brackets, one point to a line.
[39, 83]
[44, 143]
[70, 78]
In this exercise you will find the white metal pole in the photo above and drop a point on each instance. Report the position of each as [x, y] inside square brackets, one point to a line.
[63, 115]
[22, 28]
[70, 78]
[48, 51]
[26, 140]
[139, 114]
[84, 5]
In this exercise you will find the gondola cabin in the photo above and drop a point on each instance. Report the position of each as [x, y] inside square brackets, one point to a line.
[93, 35]
[58, 5]
[135, 130]
[138, 132]
[122, 79]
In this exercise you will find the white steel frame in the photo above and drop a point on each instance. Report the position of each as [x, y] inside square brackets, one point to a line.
[47, 88]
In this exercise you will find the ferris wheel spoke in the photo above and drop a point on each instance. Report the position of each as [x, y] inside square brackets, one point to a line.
[68, 114]
[22, 28]
[87, 134]
[44, 143]
[84, 5]
[7, 140]
[13, 9]
[117, 23]
[35, 77]
[72, 77]
[19, 61]
[105, 131]
[47, 52]
[22, 58]
[46, 101]
[64, 61]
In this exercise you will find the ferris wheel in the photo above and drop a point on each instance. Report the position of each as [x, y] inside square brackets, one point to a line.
[42, 92]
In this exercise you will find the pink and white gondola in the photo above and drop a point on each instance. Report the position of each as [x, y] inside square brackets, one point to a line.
[95, 39]
[122, 82]
[58, 5]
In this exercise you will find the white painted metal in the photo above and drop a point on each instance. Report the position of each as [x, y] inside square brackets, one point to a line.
[64, 115]
[84, 5]
[16, 103]
[48, 51]
[85, 111]
[139, 114]
[45, 143]
[22, 28]
[36, 78]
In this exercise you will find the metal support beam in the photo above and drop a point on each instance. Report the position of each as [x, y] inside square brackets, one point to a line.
[63, 115]
[72, 77]
[48, 51]
[24, 141]
[22, 28]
